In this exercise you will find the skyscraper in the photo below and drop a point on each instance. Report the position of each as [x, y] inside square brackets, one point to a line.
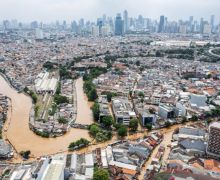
[201, 25]
[191, 23]
[212, 22]
[119, 25]
[74, 27]
[125, 17]
[100, 23]
[161, 24]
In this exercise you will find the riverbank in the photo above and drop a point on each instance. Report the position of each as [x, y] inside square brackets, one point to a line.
[19, 133]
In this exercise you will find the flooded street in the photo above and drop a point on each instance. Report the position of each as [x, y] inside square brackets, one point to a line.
[84, 113]
[17, 131]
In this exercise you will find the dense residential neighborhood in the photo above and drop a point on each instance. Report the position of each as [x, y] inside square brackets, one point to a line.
[86, 101]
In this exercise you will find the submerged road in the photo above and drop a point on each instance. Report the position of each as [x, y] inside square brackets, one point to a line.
[17, 132]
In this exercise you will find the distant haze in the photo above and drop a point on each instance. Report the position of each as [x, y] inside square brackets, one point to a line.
[51, 10]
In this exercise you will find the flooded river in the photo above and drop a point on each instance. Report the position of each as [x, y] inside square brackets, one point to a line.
[84, 114]
[22, 138]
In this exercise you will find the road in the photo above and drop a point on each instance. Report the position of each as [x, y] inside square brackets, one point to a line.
[216, 55]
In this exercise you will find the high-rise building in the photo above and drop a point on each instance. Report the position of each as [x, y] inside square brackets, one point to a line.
[125, 17]
[100, 23]
[213, 147]
[201, 25]
[34, 25]
[64, 26]
[81, 23]
[95, 31]
[6, 24]
[74, 27]
[161, 24]
[14, 23]
[119, 25]
[212, 22]
[191, 24]
[39, 33]
[207, 29]
[105, 31]
[183, 29]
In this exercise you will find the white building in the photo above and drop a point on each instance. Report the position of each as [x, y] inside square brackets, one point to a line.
[207, 29]
[39, 33]
[55, 170]
[122, 110]
[95, 31]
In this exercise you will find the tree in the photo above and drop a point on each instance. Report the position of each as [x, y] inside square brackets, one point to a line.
[62, 120]
[92, 95]
[122, 131]
[194, 118]
[149, 126]
[117, 125]
[64, 73]
[58, 99]
[107, 121]
[78, 144]
[167, 124]
[184, 119]
[25, 154]
[58, 90]
[141, 94]
[152, 110]
[26, 89]
[94, 129]
[95, 111]
[133, 125]
[209, 120]
[158, 54]
[34, 97]
[103, 136]
[100, 174]
[137, 63]
[36, 110]
[109, 95]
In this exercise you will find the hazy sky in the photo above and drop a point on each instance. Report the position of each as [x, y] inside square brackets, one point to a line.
[51, 10]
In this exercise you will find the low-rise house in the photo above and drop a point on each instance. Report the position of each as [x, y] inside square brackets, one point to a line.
[166, 111]
[5, 150]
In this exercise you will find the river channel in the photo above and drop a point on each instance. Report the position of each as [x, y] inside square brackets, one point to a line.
[17, 131]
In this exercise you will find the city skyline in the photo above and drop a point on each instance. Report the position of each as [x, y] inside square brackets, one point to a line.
[48, 10]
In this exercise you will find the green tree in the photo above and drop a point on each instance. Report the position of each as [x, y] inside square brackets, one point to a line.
[82, 142]
[94, 129]
[62, 120]
[137, 63]
[36, 110]
[58, 99]
[194, 118]
[149, 126]
[107, 121]
[184, 119]
[26, 89]
[117, 125]
[133, 125]
[64, 73]
[141, 94]
[25, 154]
[58, 90]
[95, 111]
[167, 124]
[122, 131]
[100, 174]
[92, 95]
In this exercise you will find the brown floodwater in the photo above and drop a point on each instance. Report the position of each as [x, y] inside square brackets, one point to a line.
[84, 113]
[17, 131]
